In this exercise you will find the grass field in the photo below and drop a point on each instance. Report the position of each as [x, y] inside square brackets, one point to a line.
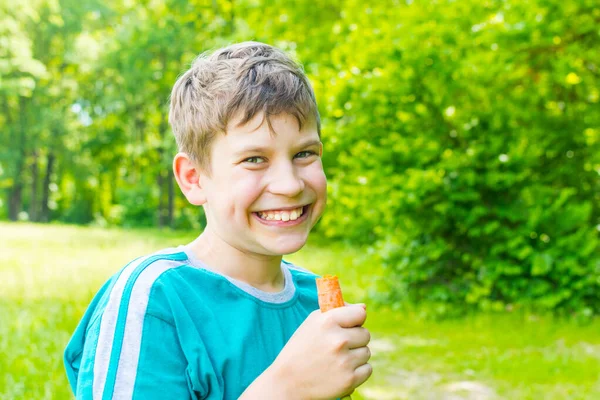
[48, 274]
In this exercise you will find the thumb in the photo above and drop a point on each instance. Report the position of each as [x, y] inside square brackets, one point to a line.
[363, 305]
[349, 317]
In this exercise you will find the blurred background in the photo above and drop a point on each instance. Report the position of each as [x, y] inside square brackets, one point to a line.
[462, 147]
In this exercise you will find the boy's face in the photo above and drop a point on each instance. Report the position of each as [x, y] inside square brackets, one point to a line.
[266, 190]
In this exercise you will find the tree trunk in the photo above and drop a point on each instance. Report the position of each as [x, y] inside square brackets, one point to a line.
[232, 19]
[134, 171]
[14, 201]
[33, 201]
[44, 209]
[15, 204]
[171, 204]
[15, 196]
[161, 209]
[164, 181]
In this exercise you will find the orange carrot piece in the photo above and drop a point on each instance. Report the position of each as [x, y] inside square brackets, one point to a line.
[330, 297]
[330, 293]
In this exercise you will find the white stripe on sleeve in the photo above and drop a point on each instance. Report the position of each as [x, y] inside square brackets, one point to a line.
[130, 348]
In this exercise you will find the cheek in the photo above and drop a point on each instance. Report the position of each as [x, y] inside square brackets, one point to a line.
[316, 177]
[244, 187]
[317, 180]
[318, 183]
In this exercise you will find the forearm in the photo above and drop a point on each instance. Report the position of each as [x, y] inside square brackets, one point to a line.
[272, 384]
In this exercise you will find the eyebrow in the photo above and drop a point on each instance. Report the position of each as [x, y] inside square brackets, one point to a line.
[260, 149]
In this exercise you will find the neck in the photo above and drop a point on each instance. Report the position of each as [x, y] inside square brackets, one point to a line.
[258, 270]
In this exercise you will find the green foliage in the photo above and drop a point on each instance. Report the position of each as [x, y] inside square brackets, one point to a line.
[462, 138]
[134, 201]
[461, 154]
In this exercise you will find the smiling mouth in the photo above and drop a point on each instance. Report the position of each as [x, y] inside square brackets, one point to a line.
[283, 215]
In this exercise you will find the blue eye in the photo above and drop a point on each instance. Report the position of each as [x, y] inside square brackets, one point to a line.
[255, 160]
[305, 154]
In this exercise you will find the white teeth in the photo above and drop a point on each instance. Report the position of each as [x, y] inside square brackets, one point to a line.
[281, 215]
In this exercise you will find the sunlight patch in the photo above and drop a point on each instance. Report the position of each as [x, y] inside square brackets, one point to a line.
[469, 390]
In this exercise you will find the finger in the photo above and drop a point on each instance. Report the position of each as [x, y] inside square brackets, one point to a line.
[362, 373]
[357, 337]
[359, 356]
[363, 305]
[347, 396]
[348, 317]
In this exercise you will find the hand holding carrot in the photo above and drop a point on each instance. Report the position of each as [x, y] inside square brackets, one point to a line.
[327, 356]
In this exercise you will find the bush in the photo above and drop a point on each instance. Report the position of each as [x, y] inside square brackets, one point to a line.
[139, 204]
[465, 144]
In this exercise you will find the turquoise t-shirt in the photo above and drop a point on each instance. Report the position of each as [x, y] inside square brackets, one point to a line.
[167, 327]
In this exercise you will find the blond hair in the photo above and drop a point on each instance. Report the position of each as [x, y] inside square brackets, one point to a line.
[243, 79]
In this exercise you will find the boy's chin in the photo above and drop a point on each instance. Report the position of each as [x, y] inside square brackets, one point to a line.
[284, 246]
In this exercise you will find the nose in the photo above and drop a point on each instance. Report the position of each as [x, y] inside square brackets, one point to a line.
[286, 181]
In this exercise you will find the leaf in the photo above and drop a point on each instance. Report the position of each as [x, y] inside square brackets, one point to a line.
[542, 264]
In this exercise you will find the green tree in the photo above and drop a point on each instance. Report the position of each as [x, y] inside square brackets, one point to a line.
[466, 143]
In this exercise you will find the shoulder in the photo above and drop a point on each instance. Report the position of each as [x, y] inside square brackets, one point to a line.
[297, 270]
[138, 277]
[130, 290]
[304, 279]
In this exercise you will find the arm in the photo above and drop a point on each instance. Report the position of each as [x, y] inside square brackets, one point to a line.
[270, 385]
[139, 362]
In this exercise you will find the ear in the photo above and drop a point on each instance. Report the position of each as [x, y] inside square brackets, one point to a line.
[321, 150]
[188, 174]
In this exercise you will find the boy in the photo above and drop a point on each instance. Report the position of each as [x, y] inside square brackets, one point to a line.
[224, 317]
